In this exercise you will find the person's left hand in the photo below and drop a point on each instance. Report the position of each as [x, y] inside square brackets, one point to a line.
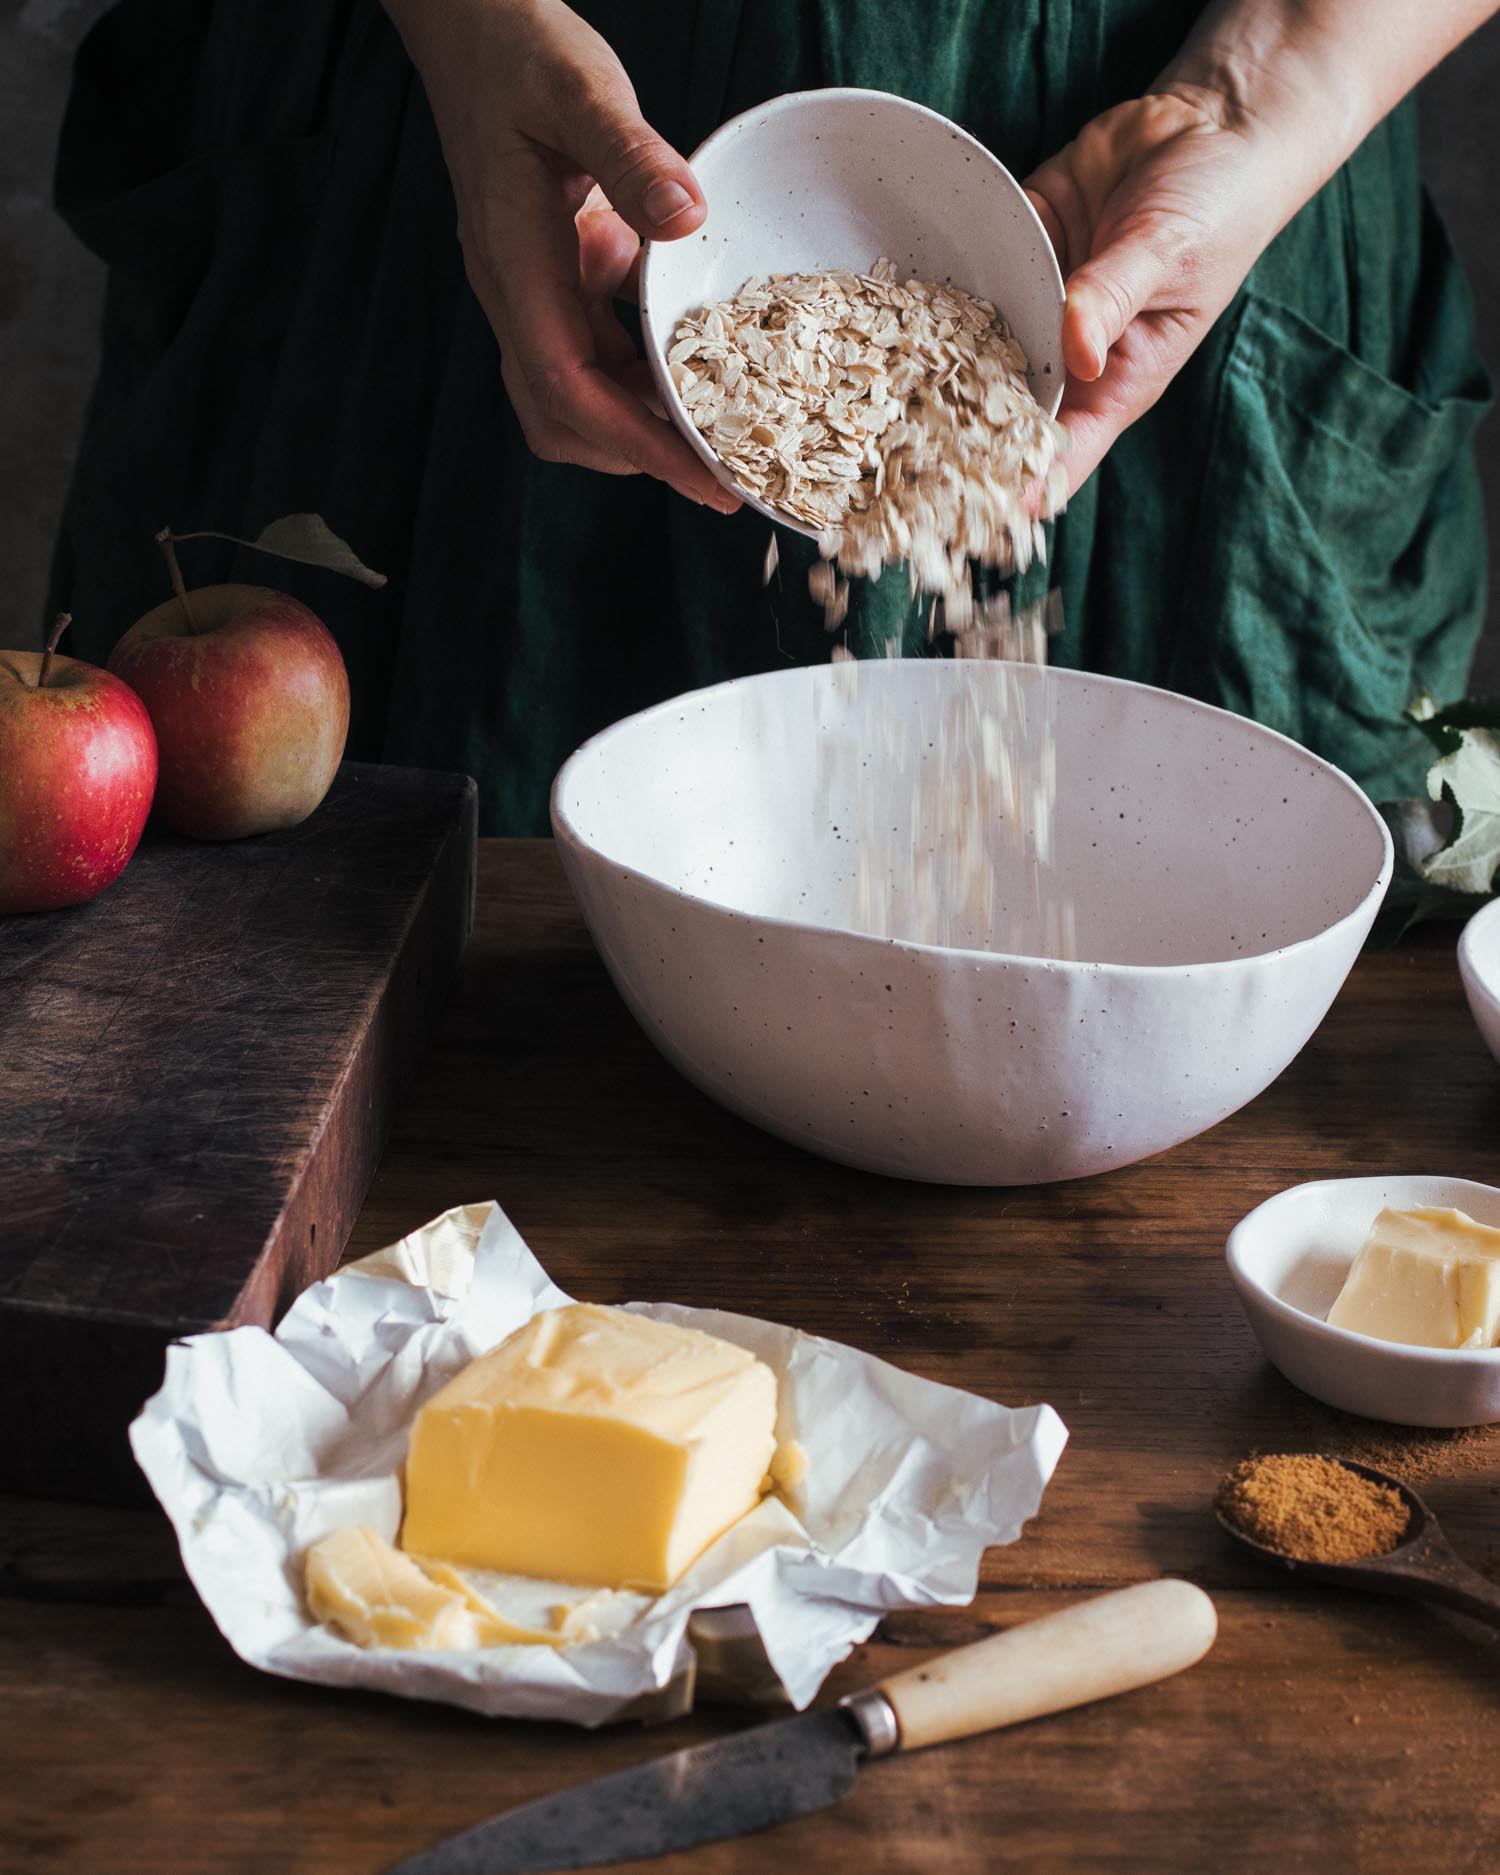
[1158, 210]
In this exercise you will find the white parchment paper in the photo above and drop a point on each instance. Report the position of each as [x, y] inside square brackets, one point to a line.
[258, 1444]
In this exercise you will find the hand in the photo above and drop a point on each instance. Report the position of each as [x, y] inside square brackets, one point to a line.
[1158, 210]
[556, 176]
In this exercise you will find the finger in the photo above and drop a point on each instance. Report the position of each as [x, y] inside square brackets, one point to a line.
[527, 268]
[1139, 368]
[588, 109]
[636, 376]
[614, 348]
[551, 441]
[1052, 225]
[1066, 214]
[1105, 295]
[607, 250]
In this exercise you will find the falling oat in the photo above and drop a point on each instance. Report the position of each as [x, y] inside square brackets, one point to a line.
[896, 420]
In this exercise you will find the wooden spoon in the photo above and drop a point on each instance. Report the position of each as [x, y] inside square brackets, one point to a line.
[1424, 1565]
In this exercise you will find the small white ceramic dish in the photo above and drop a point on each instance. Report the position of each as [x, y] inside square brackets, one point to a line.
[1288, 1260]
[838, 178]
[1479, 966]
[1223, 880]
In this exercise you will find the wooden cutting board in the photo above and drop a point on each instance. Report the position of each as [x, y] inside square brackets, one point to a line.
[197, 1075]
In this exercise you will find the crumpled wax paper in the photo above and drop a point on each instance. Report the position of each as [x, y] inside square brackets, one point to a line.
[258, 1444]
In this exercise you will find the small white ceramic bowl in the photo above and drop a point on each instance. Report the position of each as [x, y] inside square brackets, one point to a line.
[1479, 966]
[838, 178]
[1288, 1260]
[1223, 881]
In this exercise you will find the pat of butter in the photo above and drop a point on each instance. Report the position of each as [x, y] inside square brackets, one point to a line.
[1427, 1277]
[592, 1446]
[378, 1597]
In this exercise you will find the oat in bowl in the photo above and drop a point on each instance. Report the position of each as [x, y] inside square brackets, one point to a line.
[892, 416]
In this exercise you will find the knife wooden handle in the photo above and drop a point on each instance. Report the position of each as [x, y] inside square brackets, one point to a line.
[1104, 1646]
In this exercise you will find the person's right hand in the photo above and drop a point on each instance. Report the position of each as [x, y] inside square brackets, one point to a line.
[1158, 209]
[556, 176]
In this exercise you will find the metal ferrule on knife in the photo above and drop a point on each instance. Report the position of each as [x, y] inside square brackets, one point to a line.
[875, 1716]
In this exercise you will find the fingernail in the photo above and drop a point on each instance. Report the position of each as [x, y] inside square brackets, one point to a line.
[1091, 344]
[665, 201]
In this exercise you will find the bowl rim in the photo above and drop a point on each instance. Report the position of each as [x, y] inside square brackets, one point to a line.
[656, 343]
[568, 835]
[1478, 981]
[1256, 1295]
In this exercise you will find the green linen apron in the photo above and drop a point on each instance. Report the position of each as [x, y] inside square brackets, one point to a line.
[1294, 532]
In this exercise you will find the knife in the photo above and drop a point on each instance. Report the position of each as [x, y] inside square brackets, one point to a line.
[768, 1773]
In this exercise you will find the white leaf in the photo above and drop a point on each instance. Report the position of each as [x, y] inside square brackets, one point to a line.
[1472, 772]
[1470, 777]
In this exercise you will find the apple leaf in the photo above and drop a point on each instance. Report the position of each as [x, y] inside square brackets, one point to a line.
[308, 537]
[304, 537]
[1448, 845]
[1468, 778]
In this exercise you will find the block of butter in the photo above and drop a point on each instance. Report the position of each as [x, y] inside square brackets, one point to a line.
[591, 1446]
[371, 1592]
[1429, 1277]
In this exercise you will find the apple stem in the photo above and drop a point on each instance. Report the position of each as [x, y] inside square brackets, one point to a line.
[165, 540]
[61, 624]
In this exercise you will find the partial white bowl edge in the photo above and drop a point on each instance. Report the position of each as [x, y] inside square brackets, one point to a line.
[1479, 967]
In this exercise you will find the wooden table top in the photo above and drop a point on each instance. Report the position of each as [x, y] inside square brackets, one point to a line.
[1324, 1732]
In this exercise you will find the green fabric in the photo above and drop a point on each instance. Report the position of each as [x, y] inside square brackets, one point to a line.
[1294, 532]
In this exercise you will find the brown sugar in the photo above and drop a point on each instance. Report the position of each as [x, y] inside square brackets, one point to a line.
[1417, 1453]
[1310, 1508]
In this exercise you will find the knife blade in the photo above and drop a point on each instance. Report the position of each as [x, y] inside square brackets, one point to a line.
[770, 1773]
[729, 1787]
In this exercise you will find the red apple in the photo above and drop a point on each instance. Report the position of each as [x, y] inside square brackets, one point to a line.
[250, 702]
[77, 771]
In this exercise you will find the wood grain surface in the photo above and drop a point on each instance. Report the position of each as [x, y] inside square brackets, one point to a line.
[197, 1072]
[1325, 1733]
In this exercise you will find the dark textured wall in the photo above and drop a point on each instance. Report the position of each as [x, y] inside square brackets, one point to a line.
[50, 288]
[49, 303]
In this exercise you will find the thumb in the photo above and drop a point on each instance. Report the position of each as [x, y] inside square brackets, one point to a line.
[1109, 291]
[1104, 296]
[647, 182]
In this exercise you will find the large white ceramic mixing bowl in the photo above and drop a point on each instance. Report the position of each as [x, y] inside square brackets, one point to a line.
[1223, 880]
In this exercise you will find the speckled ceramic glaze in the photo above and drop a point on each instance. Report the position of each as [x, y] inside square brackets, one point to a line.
[1479, 966]
[1223, 880]
[1288, 1260]
[838, 178]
